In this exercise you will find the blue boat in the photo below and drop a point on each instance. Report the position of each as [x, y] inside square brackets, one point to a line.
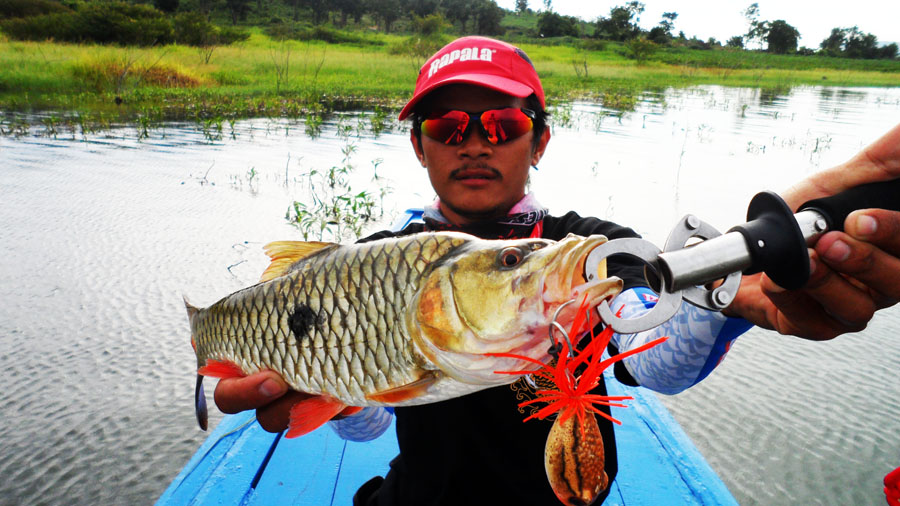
[242, 464]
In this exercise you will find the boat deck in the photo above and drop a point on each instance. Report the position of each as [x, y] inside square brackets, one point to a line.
[240, 463]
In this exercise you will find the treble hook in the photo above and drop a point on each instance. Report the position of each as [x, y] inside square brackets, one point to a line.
[555, 345]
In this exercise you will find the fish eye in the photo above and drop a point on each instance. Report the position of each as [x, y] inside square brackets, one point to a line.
[510, 257]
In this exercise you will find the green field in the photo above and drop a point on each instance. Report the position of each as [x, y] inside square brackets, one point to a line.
[264, 77]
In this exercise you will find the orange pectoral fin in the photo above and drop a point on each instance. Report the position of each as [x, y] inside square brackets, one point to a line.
[309, 414]
[221, 369]
[405, 392]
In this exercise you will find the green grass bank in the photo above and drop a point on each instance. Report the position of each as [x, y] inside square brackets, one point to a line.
[104, 84]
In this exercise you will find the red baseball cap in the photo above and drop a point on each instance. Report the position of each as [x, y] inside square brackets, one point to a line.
[480, 61]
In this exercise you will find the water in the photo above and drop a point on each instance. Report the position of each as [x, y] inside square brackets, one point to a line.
[101, 235]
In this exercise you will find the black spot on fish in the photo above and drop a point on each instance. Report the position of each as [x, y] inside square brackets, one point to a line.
[301, 320]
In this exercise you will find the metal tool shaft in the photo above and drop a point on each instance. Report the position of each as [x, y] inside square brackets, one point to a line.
[715, 258]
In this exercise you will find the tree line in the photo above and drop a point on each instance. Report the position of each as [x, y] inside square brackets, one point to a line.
[163, 21]
[777, 36]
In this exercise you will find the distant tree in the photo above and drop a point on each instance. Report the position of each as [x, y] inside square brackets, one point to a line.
[668, 22]
[166, 5]
[387, 11]
[622, 23]
[860, 44]
[349, 9]
[318, 9]
[488, 16]
[736, 41]
[782, 37]
[205, 6]
[854, 43]
[238, 9]
[421, 8]
[521, 6]
[758, 30]
[833, 45]
[551, 24]
[662, 33]
[658, 35]
[462, 11]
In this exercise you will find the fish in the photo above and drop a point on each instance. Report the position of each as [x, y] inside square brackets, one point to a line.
[574, 456]
[394, 322]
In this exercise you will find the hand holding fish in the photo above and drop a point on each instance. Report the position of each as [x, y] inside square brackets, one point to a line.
[854, 273]
[265, 391]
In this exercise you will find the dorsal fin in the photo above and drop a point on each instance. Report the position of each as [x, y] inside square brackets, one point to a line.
[286, 253]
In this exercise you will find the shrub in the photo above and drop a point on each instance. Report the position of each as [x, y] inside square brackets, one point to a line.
[29, 8]
[592, 44]
[47, 26]
[118, 74]
[110, 22]
[320, 32]
[121, 23]
[640, 49]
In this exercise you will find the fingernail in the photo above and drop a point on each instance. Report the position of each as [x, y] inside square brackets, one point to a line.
[838, 251]
[812, 266]
[270, 388]
[866, 225]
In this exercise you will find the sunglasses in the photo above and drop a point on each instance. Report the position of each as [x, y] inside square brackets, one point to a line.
[496, 125]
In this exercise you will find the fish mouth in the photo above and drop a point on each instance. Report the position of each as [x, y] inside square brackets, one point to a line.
[570, 284]
[570, 281]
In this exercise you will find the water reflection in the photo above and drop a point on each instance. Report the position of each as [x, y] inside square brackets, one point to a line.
[103, 232]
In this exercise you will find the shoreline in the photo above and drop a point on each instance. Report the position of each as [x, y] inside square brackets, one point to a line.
[96, 86]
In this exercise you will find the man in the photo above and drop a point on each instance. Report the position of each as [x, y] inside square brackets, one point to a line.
[478, 126]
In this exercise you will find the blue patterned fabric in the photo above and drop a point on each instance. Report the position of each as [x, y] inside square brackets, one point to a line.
[698, 341]
[366, 425]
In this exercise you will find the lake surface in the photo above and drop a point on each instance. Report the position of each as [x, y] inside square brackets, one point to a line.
[102, 234]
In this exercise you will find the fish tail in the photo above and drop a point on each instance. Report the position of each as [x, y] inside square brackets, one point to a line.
[200, 404]
[200, 409]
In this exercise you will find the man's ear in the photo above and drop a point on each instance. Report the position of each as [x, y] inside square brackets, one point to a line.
[538, 152]
[417, 147]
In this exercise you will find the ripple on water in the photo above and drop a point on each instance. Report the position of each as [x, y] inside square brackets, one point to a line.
[101, 238]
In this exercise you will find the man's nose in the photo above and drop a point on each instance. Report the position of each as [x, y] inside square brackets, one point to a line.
[475, 144]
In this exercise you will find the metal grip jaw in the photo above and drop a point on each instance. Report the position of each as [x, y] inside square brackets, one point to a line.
[668, 302]
[693, 291]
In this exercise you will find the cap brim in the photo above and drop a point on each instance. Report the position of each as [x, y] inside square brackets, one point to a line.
[496, 83]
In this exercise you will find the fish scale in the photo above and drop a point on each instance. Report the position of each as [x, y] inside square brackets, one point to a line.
[343, 282]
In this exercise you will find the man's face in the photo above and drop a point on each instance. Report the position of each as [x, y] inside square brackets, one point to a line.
[477, 180]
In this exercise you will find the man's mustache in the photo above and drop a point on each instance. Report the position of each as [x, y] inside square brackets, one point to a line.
[462, 171]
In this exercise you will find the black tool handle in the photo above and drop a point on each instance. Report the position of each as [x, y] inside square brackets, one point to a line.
[774, 241]
[884, 195]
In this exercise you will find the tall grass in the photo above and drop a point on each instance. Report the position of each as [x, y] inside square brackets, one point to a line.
[266, 77]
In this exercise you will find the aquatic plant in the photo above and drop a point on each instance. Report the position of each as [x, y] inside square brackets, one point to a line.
[336, 211]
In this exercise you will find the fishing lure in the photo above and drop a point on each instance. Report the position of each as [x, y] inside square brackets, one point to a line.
[574, 455]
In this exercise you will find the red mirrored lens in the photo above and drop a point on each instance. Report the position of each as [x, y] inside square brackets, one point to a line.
[447, 127]
[497, 125]
[502, 125]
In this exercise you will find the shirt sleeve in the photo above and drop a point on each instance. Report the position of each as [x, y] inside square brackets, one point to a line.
[698, 340]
